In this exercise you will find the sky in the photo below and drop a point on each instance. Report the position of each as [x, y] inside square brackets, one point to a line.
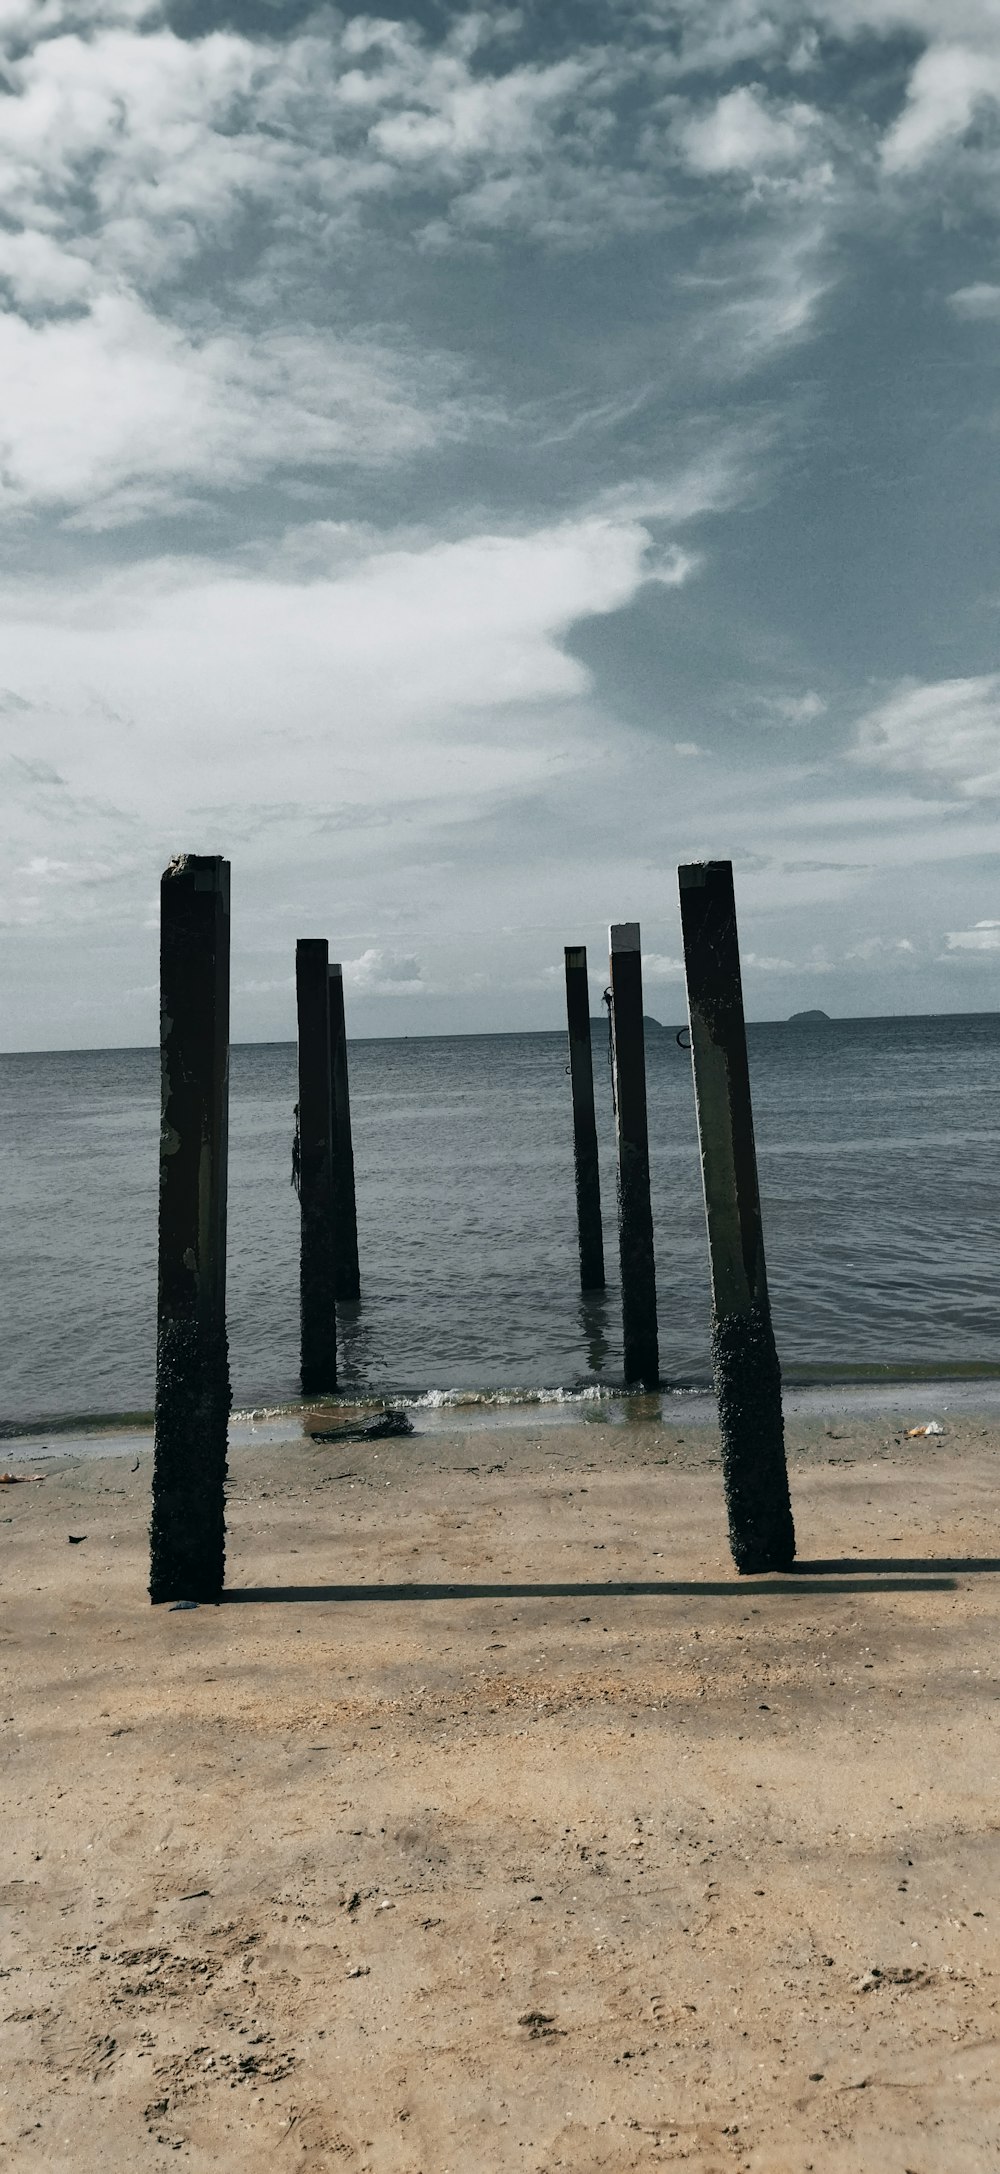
[460, 462]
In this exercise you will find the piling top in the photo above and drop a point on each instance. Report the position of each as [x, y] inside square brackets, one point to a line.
[624, 936]
[207, 872]
[336, 970]
[693, 875]
[576, 954]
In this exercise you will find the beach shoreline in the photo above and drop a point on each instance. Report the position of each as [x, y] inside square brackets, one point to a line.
[492, 1821]
[903, 1400]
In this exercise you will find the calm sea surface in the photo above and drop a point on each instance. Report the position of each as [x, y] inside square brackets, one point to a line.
[879, 1147]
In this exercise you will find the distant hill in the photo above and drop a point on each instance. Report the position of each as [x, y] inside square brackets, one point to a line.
[651, 1026]
[809, 1019]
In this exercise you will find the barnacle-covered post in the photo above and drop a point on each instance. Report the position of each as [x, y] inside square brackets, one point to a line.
[745, 1361]
[187, 1529]
[585, 1158]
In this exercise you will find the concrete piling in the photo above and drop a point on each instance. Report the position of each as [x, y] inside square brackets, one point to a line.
[317, 1260]
[635, 1218]
[588, 1178]
[187, 1528]
[745, 1360]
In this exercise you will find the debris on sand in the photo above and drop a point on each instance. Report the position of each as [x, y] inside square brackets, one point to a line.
[373, 1430]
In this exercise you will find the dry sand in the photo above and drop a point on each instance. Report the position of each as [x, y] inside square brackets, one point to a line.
[493, 1823]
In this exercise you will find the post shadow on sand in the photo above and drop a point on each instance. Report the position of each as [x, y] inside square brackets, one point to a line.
[796, 1585]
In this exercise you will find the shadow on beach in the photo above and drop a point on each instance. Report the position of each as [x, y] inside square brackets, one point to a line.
[798, 1585]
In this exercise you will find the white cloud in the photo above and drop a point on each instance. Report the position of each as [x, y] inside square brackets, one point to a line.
[985, 936]
[658, 966]
[948, 730]
[949, 83]
[747, 132]
[414, 674]
[40, 273]
[384, 973]
[761, 298]
[116, 411]
[875, 950]
[136, 148]
[800, 709]
[456, 117]
[980, 302]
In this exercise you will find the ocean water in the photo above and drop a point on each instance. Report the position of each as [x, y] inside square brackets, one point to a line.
[879, 1153]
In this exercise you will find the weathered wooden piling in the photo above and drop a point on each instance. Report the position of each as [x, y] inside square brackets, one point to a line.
[635, 1217]
[345, 1212]
[318, 1255]
[588, 1177]
[747, 1375]
[187, 1527]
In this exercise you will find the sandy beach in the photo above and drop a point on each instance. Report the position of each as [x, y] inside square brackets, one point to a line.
[493, 1823]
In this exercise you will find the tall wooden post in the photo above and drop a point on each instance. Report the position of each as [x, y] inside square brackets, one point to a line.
[635, 1217]
[747, 1375]
[588, 1177]
[187, 1528]
[345, 1212]
[317, 1267]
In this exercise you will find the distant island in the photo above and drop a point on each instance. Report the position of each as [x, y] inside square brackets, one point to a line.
[809, 1019]
[651, 1026]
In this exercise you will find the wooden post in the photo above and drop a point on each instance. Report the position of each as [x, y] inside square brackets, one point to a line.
[187, 1528]
[635, 1218]
[345, 1213]
[747, 1375]
[588, 1178]
[318, 1268]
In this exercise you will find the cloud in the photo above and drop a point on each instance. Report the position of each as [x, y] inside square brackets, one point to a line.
[134, 149]
[658, 966]
[985, 936]
[949, 84]
[874, 950]
[452, 117]
[131, 156]
[760, 298]
[980, 302]
[434, 671]
[802, 709]
[761, 963]
[948, 730]
[116, 412]
[746, 132]
[384, 973]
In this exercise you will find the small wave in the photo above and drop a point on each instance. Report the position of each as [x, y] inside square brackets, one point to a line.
[435, 1400]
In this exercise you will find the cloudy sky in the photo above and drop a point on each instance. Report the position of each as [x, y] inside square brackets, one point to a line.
[460, 462]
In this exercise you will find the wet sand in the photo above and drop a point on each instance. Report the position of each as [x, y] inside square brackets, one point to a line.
[493, 1823]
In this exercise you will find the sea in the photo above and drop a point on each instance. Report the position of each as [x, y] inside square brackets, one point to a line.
[879, 1157]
